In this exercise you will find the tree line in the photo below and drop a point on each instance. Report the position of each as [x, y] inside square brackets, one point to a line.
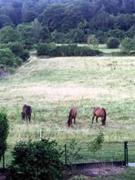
[25, 24]
[70, 21]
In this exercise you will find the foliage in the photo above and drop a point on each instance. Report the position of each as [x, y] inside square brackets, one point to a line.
[19, 50]
[5, 21]
[113, 43]
[73, 20]
[36, 29]
[65, 50]
[25, 35]
[13, 54]
[92, 41]
[58, 37]
[131, 32]
[128, 45]
[36, 161]
[3, 132]
[45, 35]
[72, 151]
[97, 143]
[7, 58]
[76, 36]
[8, 34]
[116, 33]
[56, 14]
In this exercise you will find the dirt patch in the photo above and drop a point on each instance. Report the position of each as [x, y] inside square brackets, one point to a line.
[93, 172]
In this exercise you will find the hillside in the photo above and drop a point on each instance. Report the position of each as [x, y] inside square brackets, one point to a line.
[71, 21]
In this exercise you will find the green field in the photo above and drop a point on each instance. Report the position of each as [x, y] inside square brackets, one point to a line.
[52, 85]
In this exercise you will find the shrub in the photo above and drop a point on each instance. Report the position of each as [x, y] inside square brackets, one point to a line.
[73, 151]
[58, 37]
[19, 50]
[65, 50]
[7, 58]
[92, 41]
[36, 161]
[113, 43]
[8, 34]
[3, 133]
[128, 45]
[97, 143]
[76, 36]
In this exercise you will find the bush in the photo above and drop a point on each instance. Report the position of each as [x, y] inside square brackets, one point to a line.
[92, 41]
[97, 143]
[113, 43]
[7, 58]
[36, 161]
[65, 50]
[128, 45]
[3, 133]
[19, 50]
[58, 37]
[8, 34]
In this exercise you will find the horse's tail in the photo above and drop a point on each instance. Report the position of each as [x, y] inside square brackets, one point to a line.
[104, 118]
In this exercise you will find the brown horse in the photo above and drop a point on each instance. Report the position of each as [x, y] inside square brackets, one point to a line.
[26, 112]
[72, 115]
[99, 113]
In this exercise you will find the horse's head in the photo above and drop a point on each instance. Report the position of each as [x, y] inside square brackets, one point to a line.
[92, 109]
[23, 115]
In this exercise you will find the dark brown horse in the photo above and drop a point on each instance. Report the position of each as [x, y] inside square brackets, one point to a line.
[99, 113]
[72, 115]
[26, 112]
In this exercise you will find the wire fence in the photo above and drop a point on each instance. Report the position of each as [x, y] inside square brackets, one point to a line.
[131, 151]
[82, 153]
[74, 152]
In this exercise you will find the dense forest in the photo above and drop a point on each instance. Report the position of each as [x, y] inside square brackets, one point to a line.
[69, 21]
[27, 24]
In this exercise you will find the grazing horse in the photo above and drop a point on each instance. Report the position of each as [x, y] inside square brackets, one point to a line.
[26, 112]
[72, 115]
[99, 113]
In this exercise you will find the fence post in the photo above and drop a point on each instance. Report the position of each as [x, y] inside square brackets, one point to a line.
[65, 154]
[126, 153]
[3, 160]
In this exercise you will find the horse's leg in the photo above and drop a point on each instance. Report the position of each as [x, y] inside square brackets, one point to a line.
[93, 119]
[69, 122]
[103, 122]
[26, 118]
[29, 119]
[74, 120]
[96, 119]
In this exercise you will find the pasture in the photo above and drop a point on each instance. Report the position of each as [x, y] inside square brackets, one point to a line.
[52, 85]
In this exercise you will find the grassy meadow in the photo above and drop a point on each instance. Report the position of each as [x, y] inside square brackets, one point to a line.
[53, 85]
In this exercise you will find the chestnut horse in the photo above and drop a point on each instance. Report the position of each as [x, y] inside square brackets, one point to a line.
[72, 115]
[26, 112]
[99, 113]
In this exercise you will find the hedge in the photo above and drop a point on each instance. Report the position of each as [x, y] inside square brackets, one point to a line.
[53, 50]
